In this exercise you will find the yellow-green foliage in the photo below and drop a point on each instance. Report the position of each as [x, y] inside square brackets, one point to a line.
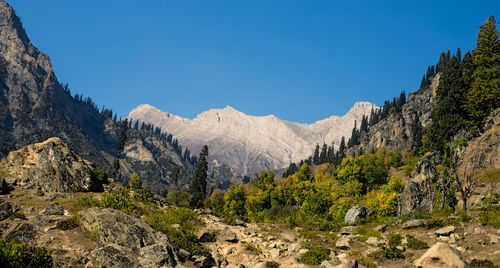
[234, 201]
[251, 248]
[14, 254]
[384, 200]
[179, 198]
[315, 256]
[216, 202]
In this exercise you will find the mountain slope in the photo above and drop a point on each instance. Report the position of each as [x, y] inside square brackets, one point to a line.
[35, 106]
[252, 143]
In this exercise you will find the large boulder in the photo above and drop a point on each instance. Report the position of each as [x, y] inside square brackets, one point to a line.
[23, 232]
[227, 235]
[445, 231]
[50, 166]
[355, 213]
[112, 256]
[441, 255]
[118, 228]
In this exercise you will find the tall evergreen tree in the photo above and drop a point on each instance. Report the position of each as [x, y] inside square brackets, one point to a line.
[484, 95]
[323, 154]
[198, 186]
[316, 155]
[121, 145]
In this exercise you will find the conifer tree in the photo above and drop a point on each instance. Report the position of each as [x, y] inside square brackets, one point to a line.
[316, 155]
[484, 95]
[198, 186]
[323, 154]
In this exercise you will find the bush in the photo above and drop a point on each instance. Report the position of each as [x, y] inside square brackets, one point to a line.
[88, 201]
[216, 202]
[69, 224]
[119, 199]
[414, 243]
[100, 175]
[391, 253]
[179, 198]
[14, 254]
[315, 256]
[475, 263]
[490, 215]
[272, 264]
[394, 240]
[251, 248]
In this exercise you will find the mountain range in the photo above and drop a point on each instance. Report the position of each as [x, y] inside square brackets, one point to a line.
[249, 143]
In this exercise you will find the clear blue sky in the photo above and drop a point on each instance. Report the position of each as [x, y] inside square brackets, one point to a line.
[299, 60]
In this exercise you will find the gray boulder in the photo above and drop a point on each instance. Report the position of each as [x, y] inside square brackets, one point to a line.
[445, 231]
[206, 235]
[227, 235]
[355, 213]
[343, 243]
[413, 224]
[23, 232]
[113, 256]
[53, 209]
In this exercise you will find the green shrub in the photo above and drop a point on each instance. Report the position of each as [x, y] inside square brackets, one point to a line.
[391, 253]
[394, 240]
[179, 198]
[434, 224]
[315, 256]
[414, 243]
[251, 248]
[272, 264]
[475, 263]
[490, 215]
[88, 201]
[14, 254]
[100, 175]
[366, 261]
[119, 199]
[69, 224]
[144, 195]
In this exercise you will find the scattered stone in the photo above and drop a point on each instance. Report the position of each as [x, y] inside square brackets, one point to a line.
[53, 209]
[260, 265]
[220, 261]
[444, 238]
[400, 248]
[206, 235]
[494, 239]
[275, 253]
[227, 235]
[207, 211]
[302, 251]
[343, 243]
[441, 255]
[445, 231]
[240, 266]
[176, 226]
[273, 245]
[381, 228]
[355, 213]
[413, 224]
[343, 265]
[184, 254]
[326, 264]
[202, 261]
[372, 241]
[229, 251]
[5, 210]
[342, 257]
[239, 222]
[347, 230]
[289, 237]
[294, 247]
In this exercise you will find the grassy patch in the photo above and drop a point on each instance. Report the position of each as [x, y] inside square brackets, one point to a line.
[14, 254]
[251, 248]
[69, 224]
[414, 243]
[390, 253]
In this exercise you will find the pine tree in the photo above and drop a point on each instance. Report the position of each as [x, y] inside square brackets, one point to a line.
[198, 186]
[323, 154]
[316, 155]
[330, 158]
[121, 145]
[484, 95]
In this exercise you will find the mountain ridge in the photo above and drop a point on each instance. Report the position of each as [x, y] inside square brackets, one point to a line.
[252, 143]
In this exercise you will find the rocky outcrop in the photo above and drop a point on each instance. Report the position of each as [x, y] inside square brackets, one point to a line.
[355, 213]
[249, 144]
[420, 193]
[126, 233]
[51, 166]
[5, 210]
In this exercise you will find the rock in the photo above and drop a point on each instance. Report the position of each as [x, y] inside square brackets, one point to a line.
[5, 210]
[207, 211]
[372, 241]
[343, 265]
[294, 247]
[51, 166]
[343, 243]
[220, 261]
[494, 239]
[326, 264]
[260, 265]
[157, 255]
[413, 224]
[176, 226]
[116, 227]
[228, 251]
[23, 232]
[400, 248]
[227, 235]
[347, 230]
[202, 261]
[239, 222]
[441, 255]
[206, 235]
[445, 231]
[4, 187]
[355, 213]
[53, 209]
[275, 253]
[184, 254]
[302, 251]
[380, 228]
[240, 266]
[113, 256]
[288, 237]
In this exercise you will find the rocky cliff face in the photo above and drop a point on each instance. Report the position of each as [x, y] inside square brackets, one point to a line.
[50, 166]
[247, 143]
[34, 106]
